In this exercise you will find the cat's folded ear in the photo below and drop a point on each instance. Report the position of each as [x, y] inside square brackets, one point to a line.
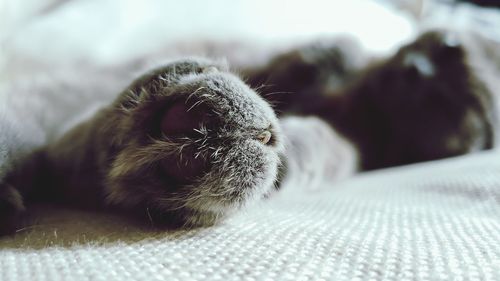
[160, 79]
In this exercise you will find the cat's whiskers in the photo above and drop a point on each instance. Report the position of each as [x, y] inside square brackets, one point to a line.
[194, 93]
[195, 105]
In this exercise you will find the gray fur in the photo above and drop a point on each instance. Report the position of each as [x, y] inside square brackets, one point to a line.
[113, 159]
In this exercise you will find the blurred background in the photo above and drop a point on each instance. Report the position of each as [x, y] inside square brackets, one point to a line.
[108, 31]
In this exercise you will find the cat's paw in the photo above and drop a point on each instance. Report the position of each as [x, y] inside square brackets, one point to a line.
[190, 143]
[11, 209]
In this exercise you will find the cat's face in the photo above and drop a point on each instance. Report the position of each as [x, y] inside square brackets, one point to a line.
[193, 142]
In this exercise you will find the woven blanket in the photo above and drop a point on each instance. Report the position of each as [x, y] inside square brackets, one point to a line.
[431, 221]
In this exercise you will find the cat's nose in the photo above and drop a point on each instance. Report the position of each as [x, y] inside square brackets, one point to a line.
[265, 137]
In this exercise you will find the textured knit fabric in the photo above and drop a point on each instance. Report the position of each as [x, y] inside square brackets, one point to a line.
[431, 221]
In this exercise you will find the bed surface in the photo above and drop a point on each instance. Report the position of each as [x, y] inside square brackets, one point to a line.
[431, 221]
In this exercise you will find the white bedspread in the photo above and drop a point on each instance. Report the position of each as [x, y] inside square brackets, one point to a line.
[431, 221]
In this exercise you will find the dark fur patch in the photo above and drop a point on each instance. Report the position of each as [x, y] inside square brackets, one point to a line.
[423, 103]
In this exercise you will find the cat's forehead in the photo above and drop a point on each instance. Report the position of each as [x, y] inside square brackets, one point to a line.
[230, 98]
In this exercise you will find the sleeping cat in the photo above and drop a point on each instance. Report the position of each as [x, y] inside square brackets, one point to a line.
[186, 144]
